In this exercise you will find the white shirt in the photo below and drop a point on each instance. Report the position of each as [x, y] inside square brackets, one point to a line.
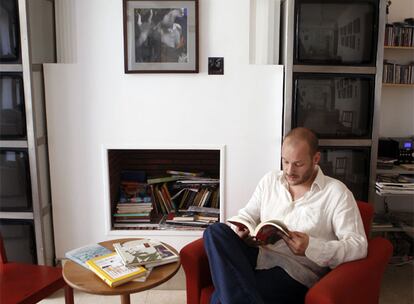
[327, 213]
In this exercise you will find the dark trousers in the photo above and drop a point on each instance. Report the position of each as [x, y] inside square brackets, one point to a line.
[232, 264]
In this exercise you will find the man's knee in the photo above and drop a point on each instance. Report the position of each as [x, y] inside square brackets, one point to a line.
[217, 229]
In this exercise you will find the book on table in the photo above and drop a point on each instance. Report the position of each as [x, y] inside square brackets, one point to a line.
[82, 254]
[112, 270]
[267, 232]
[148, 253]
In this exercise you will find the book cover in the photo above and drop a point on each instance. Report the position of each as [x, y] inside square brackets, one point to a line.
[112, 270]
[148, 253]
[82, 254]
[267, 232]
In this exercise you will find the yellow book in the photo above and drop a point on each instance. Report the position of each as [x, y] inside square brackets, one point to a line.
[112, 270]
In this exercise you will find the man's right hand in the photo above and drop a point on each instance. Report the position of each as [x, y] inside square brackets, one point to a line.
[242, 232]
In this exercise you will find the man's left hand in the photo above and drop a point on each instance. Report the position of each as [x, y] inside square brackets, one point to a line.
[297, 242]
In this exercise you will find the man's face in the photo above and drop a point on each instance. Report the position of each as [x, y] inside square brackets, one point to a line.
[297, 163]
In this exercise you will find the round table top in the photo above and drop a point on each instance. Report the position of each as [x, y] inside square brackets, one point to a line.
[85, 280]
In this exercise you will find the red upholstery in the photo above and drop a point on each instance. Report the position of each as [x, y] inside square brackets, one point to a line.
[27, 283]
[356, 282]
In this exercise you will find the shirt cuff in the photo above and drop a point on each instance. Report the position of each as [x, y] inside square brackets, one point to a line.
[314, 251]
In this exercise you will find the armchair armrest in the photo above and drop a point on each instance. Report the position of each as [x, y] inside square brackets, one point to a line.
[354, 282]
[197, 271]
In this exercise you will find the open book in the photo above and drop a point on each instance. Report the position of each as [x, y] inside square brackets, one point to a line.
[149, 253]
[268, 232]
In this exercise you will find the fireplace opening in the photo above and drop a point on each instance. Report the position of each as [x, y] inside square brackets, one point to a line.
[164, 188]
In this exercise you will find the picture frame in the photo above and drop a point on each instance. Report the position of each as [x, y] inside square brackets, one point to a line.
[160, 36]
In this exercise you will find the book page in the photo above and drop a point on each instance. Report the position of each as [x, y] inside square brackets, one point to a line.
[271, 231]
[242, 223]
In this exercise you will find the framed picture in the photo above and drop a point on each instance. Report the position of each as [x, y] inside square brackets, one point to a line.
[160, 36]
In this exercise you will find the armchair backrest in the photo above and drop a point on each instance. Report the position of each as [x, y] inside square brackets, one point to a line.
[367, 212]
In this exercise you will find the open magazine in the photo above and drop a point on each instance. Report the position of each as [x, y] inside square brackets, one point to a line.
[149, 253]
[268, 232]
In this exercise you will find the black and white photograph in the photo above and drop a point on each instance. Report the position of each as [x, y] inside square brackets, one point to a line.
[160, 36]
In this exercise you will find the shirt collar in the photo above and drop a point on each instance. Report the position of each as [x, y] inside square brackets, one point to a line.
[319, 179]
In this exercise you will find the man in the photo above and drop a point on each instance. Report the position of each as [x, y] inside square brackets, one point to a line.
[325, 224]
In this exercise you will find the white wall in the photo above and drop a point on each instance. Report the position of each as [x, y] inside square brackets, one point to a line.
[92, 103]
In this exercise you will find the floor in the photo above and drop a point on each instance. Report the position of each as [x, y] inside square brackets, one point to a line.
[397, 288]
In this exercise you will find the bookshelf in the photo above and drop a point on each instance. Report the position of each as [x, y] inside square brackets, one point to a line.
[399, 54]
[155, 166]
[393, 211]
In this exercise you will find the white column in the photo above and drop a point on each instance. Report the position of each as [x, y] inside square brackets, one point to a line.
[66, 46]
[264, 31]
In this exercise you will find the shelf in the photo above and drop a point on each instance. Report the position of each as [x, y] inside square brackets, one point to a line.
[4, 67]
[393, 194]
[398, 47]
[407, 85]
[405, 228]
[395, 170]
[13, 144]
[386, 229]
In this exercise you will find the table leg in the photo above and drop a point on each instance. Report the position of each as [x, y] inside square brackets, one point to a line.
[125, 299]
[68, 295]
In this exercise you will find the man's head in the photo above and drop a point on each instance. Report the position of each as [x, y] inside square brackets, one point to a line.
[300, 156]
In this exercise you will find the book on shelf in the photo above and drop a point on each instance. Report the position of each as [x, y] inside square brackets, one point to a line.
[137, 225]
[409, 167]
[112, 270]
[267, 232]
[82, 254]
[184, 173]
[204, 209]
[162, 179]
[148, 253]
[395, 180]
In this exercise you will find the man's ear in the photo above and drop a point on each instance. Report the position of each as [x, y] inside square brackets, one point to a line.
[316, 158]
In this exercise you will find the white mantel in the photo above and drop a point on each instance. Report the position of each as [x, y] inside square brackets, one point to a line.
[92, 103]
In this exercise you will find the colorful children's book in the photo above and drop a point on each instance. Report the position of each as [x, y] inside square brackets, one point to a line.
[82, 254]
[112, 270]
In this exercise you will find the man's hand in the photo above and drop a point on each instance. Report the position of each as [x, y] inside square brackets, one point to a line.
[242, 232]
[297, 242]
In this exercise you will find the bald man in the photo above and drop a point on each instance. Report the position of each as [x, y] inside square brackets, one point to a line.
[325, 230]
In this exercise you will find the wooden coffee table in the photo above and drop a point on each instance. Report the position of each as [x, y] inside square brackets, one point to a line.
[82, 279]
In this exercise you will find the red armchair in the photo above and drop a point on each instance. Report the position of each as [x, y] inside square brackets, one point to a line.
[26, 283]
[353, 282]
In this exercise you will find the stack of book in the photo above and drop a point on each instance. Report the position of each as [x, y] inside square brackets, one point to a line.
[394, 184]
[386, 162]
[133, 260]
[194, 217]
[135, 204]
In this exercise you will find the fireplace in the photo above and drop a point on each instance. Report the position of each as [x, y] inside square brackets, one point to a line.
[159, 175]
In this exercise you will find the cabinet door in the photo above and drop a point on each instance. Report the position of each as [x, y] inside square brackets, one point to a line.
[15, 189]
[19, 240]
[350, 165]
